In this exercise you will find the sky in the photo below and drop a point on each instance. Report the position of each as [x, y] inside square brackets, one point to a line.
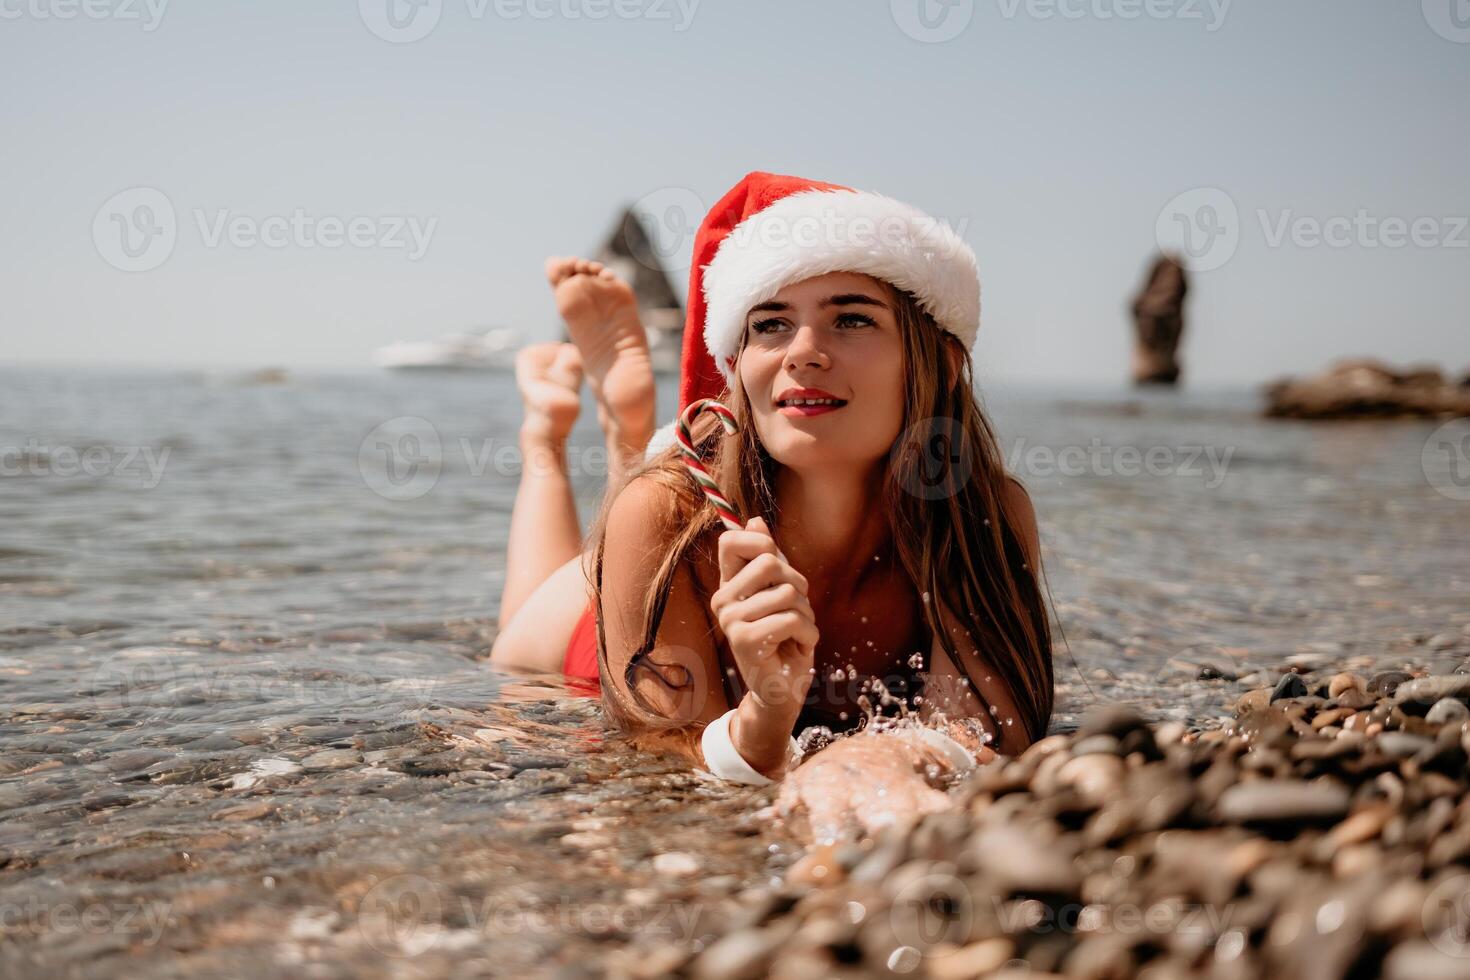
[243, 183]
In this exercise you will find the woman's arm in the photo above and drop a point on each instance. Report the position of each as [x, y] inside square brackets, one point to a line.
[640, 527]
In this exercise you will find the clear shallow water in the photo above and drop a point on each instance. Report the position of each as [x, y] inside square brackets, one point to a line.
[243, 630]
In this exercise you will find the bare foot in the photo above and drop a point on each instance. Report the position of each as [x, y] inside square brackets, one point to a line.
[550, 379]
[602, 317]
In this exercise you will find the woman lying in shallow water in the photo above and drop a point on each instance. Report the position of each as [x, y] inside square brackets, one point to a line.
[907, 572]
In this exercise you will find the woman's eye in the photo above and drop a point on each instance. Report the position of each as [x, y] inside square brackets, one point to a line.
[765, 326]
[856, 320]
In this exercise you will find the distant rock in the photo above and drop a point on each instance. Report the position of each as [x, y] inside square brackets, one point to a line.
[1158, 323]
[1365, 388]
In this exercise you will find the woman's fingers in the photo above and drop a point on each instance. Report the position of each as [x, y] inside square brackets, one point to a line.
[765, 635]
[767, 602]
[737, 548]
[762, 572]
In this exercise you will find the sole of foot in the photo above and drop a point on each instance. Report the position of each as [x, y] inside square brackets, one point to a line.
[601, 315]
[549, 377]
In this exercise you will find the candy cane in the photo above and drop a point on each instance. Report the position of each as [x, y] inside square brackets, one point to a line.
[695, 465]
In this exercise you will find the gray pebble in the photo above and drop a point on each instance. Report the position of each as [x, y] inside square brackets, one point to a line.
[1429, 689]
[1446, 711]
[1283, 800]
[331, 759]
[1290, 686]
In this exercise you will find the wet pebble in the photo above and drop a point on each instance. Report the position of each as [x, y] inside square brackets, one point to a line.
[1447, 711]
[1289, 686]
[1283, 801]
[676, 864]
[331, 759]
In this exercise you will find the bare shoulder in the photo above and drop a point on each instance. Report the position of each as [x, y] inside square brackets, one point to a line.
[1022, 515]
[643, 524]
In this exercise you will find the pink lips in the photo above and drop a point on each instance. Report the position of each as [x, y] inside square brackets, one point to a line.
[803, 402]
[802, 410]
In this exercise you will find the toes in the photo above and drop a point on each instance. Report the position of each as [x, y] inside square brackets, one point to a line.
[534, 359]
[557, 268]
[566, 367]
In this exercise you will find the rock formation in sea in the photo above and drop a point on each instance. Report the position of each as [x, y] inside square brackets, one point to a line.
[1158, 323]
[1366, 388]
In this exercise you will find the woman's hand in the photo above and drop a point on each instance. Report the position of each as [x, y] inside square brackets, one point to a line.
[762, 609]
[859, 785]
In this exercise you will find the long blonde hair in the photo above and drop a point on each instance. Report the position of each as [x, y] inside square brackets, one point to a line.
[950, 530]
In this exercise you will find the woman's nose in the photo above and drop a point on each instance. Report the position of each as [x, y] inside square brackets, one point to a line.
[806, 349]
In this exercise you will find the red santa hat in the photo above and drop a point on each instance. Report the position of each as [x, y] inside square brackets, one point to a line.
[770, 231]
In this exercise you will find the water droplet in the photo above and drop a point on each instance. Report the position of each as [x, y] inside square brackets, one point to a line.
[865, 619]
[916, 661]
[838, 675]
[925, 597]
[842, 715]
[905, 959]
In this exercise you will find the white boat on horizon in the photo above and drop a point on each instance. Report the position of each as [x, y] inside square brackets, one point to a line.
[486, 349]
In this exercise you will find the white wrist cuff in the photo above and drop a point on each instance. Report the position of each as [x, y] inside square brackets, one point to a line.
[723, 760]
[959, 757]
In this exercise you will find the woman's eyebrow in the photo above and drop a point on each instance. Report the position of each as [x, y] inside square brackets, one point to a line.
[852, 299]
[842, 299]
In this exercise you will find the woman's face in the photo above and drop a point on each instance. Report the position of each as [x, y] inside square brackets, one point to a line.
[832, 338]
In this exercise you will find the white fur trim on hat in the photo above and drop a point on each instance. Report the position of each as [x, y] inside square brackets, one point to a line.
[812, 233]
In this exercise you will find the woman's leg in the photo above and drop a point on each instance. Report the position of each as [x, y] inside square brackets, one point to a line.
[611, 347]
[601, 314]
[544, 532]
